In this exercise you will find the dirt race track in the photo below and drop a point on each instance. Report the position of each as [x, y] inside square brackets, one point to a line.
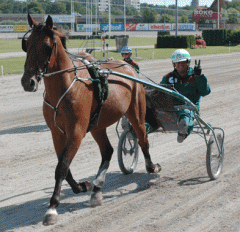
[180, 198]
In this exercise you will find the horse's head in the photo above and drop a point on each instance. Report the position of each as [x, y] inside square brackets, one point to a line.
[41, 47]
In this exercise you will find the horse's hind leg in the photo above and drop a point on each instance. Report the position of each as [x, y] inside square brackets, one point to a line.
[143, 142]
[78, 187]
[136, 115]
[106, 153]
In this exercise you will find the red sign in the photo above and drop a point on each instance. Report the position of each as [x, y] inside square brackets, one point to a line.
[205, 14]
[131, 26]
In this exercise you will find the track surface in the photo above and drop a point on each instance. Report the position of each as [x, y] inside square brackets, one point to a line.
[180, 198]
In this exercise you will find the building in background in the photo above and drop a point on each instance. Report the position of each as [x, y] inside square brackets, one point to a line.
[103, 4]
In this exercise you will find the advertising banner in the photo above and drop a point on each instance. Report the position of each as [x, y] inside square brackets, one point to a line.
[205, 14]
[88, 27]
[6, 28]
[159, 26]
[114, 27]
[184, 26]
[20, 28]
[205, 26]
[137, 26]
[62, 18]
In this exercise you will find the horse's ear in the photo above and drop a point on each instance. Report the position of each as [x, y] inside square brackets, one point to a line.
[49, 22]
[32, 23]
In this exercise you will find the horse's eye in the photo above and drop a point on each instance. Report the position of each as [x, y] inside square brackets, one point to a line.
[48, 50]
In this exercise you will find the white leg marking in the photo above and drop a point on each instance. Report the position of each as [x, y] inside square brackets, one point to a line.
[100, 179]
[51, 211]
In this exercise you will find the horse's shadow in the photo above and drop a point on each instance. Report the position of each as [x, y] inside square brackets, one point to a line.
[32, 212]
[23, 130]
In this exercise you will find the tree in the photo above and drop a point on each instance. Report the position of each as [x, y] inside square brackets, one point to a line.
[166, 18]
[116, 11]
[149, 15]
[232, 18]
[56, 8]
[130, 10]
[79, 8]
[17, 7]
[7, 7]
[232, 15]
[203, 21]
[184, 19]
[35, 8]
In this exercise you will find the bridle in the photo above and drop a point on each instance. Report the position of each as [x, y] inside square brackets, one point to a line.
[40, 72]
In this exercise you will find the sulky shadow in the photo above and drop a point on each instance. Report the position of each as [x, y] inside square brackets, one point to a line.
[194, 181]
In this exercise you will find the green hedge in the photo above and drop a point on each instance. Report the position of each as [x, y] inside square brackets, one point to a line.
[215, 37]
[171, 41]
[234, 36]
[163, 33]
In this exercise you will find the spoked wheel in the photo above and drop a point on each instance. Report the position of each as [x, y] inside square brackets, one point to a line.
[128, 152]
[214, 157]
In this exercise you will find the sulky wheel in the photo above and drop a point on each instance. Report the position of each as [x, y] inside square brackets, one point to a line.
[215, 158]
[128, 152]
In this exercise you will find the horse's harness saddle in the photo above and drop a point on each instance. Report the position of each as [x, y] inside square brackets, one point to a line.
[101, 91]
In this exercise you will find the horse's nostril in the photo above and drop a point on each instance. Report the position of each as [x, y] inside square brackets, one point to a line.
[32, 82]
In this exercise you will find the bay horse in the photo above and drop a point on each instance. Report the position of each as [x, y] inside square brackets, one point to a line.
[70, 102]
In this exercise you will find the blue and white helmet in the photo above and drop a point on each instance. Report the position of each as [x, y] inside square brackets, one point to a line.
[126, 49]
[181, 55]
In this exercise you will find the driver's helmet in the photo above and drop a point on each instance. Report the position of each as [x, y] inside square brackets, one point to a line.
[126, 49]
[181, 55]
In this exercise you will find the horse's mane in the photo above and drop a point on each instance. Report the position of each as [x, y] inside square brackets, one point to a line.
[62, 36]
[53, 32]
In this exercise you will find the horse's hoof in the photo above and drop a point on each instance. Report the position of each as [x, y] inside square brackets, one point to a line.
[86, 186]
[96, 198]
[157, 168]
[154, 168]
[51, 217]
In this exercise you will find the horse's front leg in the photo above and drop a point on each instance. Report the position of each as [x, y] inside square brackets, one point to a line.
[62, 171]
[106, 153]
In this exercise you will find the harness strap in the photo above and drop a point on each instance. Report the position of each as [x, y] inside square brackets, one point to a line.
[58, 103]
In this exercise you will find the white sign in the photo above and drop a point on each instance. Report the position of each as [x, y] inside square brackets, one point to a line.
[203, 12]
[61, 18]
[88, 27]
[6, 28]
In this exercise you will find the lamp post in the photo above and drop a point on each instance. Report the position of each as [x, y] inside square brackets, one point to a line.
[109, 17]
[176, 18]
[218, 15]
[124, 16]
[72, 23]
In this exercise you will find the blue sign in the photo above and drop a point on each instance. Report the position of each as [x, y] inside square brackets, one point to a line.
[187, 27]
[114, 27]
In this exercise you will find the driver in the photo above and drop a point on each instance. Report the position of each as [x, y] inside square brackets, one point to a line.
[190, 83]
[127, 53]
